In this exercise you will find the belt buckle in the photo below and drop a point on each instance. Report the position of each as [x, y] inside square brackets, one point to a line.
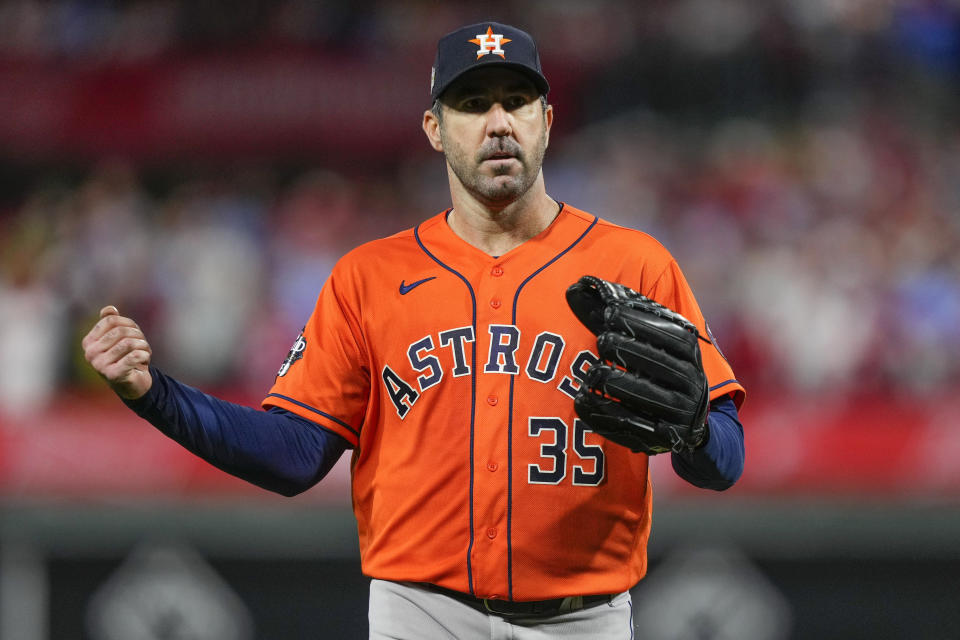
[486, 605]
[571, 603]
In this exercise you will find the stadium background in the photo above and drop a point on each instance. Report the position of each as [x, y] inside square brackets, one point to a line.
[201, 165]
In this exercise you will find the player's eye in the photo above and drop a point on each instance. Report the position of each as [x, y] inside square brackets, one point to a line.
[475, 105]
[515, 102]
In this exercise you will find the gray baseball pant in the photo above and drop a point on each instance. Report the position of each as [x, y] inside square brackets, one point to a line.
[408, 611]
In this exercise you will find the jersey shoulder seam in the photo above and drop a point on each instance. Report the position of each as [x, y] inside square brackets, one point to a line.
[614, 227]
[607, 228]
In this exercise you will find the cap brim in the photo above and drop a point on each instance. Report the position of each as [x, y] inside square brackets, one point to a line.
[536, 78]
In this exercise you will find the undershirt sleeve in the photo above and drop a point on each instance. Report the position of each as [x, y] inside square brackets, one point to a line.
[276, 450]
[718, 464]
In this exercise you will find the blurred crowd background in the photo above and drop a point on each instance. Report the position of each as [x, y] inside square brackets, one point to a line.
[800, 159]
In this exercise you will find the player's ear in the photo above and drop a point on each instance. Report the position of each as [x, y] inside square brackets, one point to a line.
[431, 127]
[547, 123]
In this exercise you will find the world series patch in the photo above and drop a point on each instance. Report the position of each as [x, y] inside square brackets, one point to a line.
[295, 353]
[714, 341]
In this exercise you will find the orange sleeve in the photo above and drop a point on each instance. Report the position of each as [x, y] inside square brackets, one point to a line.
[325, 377]
[672, 291]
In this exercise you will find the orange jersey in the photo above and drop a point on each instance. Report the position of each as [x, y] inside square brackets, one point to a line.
[452, 373]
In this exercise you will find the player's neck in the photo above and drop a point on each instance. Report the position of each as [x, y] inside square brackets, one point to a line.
[495, 231]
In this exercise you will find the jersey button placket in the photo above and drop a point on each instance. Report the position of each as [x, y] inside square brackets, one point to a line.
[496, 271]
[496, 334]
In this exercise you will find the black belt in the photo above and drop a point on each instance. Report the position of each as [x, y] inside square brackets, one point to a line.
[529, 608]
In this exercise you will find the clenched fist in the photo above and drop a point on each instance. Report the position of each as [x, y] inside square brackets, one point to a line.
[117, 349]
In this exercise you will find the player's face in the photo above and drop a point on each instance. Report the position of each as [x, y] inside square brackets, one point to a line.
[494, 133]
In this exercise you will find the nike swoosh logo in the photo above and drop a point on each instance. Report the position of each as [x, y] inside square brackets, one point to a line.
[407, 288]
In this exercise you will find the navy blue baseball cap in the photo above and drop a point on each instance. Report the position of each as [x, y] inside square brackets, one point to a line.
[485, 44]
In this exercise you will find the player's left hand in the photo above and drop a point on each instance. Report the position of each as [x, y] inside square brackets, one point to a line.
[650, 394]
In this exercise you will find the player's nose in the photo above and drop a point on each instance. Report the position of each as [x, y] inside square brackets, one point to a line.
[498, 121]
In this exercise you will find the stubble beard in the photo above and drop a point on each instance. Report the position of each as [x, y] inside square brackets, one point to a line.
[501, 188]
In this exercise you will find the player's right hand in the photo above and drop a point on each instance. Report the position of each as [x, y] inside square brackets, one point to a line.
[117, 349]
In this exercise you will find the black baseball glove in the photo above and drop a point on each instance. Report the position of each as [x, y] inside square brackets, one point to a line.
[650, 392]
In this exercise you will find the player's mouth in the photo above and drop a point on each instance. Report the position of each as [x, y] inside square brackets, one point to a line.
[500, 156]
[502, 150]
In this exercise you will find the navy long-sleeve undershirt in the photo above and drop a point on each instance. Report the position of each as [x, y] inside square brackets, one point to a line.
[283, 452]
[718, 464]
[277, 450]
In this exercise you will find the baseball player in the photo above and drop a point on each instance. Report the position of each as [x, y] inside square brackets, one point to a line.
[501, 372]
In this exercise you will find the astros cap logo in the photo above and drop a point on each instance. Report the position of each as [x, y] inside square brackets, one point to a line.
[490, 42]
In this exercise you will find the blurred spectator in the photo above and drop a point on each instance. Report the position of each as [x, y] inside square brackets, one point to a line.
[208, 278]
[32, 315]
[311, 229]
[105, 246]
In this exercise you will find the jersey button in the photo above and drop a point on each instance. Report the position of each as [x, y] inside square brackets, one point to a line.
[492, 400]
[492, 466]
[495, 303]
[492, 533]
[496, 271]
